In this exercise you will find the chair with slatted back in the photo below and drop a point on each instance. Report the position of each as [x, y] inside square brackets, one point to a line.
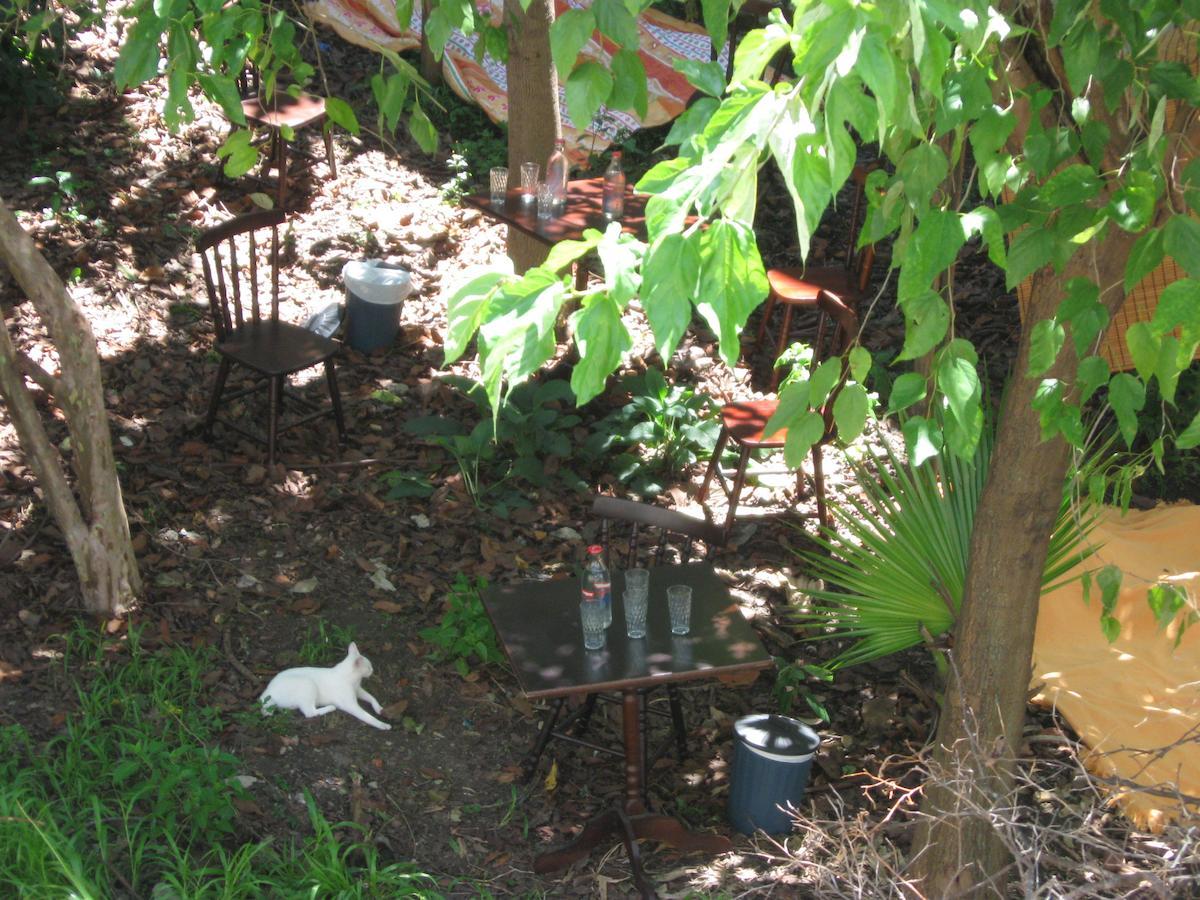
[236, 257]
[656, 537]
[745, 423]
[277, 110]
[798, 288]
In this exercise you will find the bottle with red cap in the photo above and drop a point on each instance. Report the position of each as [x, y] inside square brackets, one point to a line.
[597, 584]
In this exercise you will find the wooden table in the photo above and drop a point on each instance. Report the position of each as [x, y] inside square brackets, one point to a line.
[584, 208]
[538, 626]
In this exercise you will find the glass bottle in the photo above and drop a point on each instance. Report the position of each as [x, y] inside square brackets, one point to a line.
[556, 174]
[597, 584]
[614, 189]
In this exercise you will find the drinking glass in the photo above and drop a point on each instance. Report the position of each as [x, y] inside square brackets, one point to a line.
[499, 183]
[635, 613]
[637, 581]
[529, 181]
[545, 201]
[679, 603]
[591, 616]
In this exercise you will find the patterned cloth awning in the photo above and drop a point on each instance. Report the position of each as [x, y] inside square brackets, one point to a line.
[662, 39]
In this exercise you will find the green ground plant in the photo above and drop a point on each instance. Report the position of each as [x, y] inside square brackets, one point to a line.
[325, 642]
[465, 636]
[1176, 476]
[659, 433]
[134, 797]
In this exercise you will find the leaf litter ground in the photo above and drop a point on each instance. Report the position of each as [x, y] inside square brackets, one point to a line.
[279, 568]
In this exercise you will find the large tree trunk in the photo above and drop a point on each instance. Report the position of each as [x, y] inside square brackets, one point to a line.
[960, 851]
[94, 526]
[533, 114]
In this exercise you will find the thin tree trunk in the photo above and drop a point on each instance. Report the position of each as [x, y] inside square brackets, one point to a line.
[431, 68]
[959, 851]
[534, 121]
[94, 527]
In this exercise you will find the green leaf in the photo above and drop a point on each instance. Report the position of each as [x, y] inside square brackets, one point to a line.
[568, 34]
[706, 75]
[1145, 256]
[340, 113]
[465, 310]
[619, 257]
[629, 83]
[1030, 250]
[926, 319]
[691, 122]
[242, 155]
[1126, 396]
[734, 280]
[615, 20]
[1190, 436]
[138, 61]
[801, 436]
[1082, 310]
[1181, 240]
[670, 279]
[223, 90]
[603, 340]
[860, 364]
[564, 253]
[1045, 341]
[1179, 307]
[932, 249]
[823, 379]
[587, 88]
[922, 438]
[908, 389]
[1074, 184]
[850, 411]
[1143, 348]
[1093, 373]
[438, 28]
[959, 381]
[422, 130]
[922, 169]
[716, 20]
[757, 49]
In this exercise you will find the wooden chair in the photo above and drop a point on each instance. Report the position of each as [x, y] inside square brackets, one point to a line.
[798, 288]
[282, 111]
[678, 538]
[745, 423]
[250, 336]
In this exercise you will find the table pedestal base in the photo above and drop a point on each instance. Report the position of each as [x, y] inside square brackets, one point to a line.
[631, 828]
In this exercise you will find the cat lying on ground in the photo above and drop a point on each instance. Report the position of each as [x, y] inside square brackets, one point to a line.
[316, 692]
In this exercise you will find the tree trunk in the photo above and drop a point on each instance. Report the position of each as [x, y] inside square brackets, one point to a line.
[431, 68]
[959, 850]
[94, 526]
[533, 114]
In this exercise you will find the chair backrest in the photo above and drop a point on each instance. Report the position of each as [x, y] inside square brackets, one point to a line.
[859, 261]
[231, 255]
[678, 534]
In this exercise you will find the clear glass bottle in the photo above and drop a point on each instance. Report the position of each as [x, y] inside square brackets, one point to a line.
[614, 189]
[597, 583]
[556, 174]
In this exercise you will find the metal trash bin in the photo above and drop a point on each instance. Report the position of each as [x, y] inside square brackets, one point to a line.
[375, 294]
[772, 756]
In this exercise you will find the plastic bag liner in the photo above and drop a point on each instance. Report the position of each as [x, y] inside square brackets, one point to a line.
[375, 292]
[327, 322]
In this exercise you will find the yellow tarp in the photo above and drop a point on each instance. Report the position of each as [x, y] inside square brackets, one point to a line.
[1135, 702]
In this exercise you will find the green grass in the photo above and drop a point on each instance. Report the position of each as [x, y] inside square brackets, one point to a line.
[135, 797]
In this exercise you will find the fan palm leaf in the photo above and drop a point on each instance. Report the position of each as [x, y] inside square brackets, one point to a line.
[897, 567]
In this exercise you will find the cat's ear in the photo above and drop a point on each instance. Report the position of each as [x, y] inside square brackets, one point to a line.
[352, 650]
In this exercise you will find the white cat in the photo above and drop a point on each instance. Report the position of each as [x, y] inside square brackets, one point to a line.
[316, 692]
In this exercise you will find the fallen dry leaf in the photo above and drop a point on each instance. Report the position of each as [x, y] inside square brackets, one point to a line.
[387, 606]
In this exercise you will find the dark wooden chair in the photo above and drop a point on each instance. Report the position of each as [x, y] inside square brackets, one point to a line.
[798, 288]
[656, 537]
[251, 336]
[277, 111]
[745, 423]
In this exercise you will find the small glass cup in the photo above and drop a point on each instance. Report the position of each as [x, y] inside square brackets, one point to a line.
[679, 603]
[545, 201]
[635, 613]
[529, 181]
[637, 581]
[499, 183]
[591, 616]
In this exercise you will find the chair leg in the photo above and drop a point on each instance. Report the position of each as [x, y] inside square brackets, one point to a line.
[585, 717]
[214, 401]
[762, 323]
[739, 481]
[643, 722]
[781, 344]
[273, 421]
[330, 158]
[677, 720]
[714, 465]
[335, 398]
[282, 163]
[529, 766]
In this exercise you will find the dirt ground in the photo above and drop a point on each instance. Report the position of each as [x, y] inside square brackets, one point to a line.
[257, 563]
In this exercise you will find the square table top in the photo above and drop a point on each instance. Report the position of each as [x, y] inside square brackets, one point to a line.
[538, 625]
[584, 209]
